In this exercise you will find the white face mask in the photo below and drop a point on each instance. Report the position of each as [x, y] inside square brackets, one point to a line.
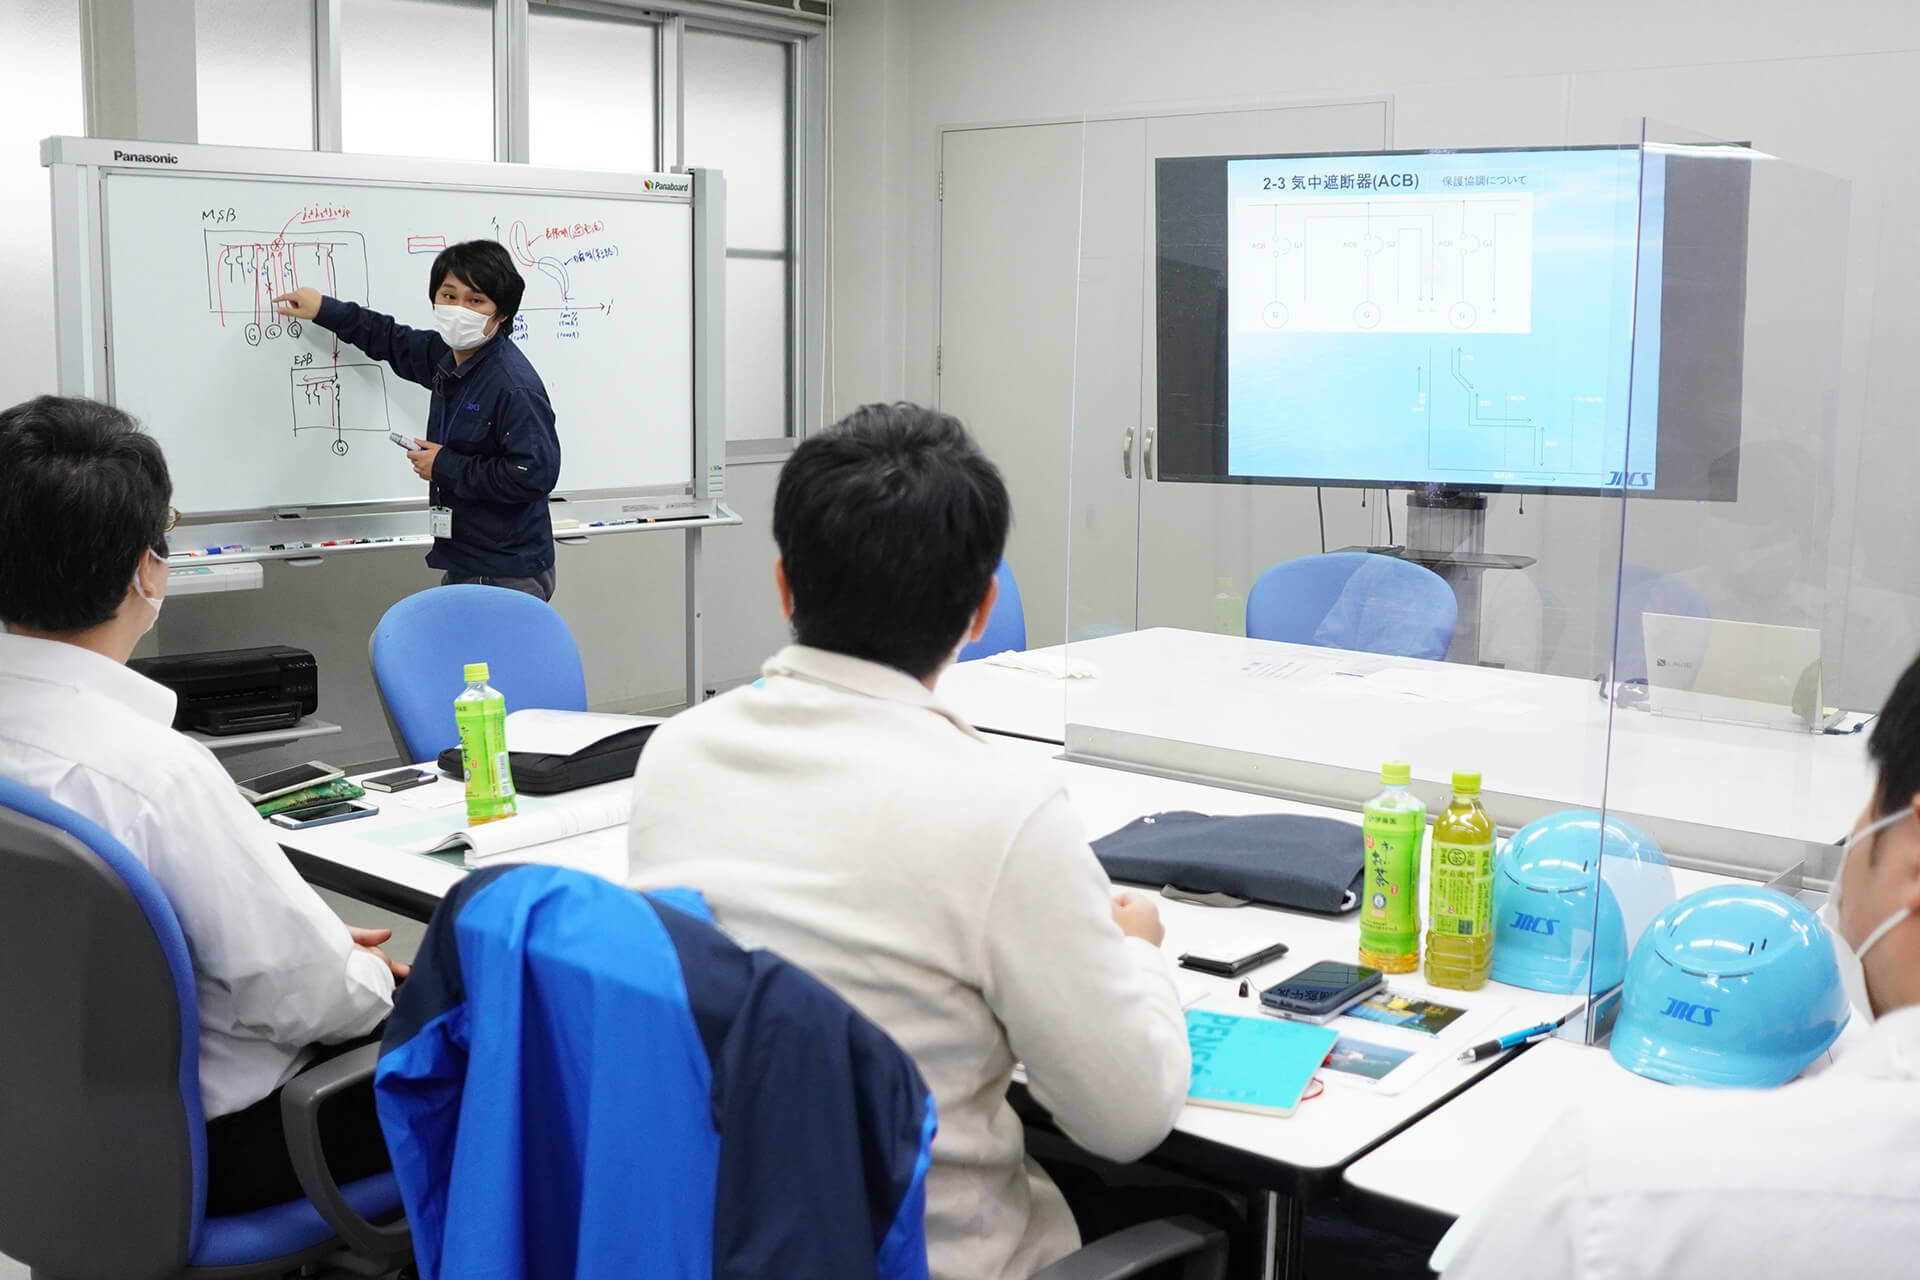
[153, 601]
[1853, 974]
[460, 328]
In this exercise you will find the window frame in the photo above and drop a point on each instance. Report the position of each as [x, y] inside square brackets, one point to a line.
[804, 34]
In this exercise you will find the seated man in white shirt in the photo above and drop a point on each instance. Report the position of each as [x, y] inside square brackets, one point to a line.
[842, 817]
[84, 517]
[1818, 1178]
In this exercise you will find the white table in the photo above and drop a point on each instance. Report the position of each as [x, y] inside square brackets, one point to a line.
[1547, 737]
[1301, 1156]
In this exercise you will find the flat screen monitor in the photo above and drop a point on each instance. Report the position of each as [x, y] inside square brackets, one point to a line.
[1562, 320]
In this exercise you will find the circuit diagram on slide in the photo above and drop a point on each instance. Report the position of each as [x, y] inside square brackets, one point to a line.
[1385, 263]
[1477, 425]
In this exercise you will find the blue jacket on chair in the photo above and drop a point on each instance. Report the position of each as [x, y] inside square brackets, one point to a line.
[579, 1080]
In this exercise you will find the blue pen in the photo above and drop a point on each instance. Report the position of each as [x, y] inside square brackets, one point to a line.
[1514, 1040]
[211, 551]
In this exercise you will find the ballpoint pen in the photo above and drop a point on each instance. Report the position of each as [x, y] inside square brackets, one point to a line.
[1513, 1040]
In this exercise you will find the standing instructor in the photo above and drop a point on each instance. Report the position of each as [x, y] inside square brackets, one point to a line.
[490, 457]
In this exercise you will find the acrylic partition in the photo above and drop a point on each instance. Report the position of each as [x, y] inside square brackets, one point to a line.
[1734, 737]
[1517, 460]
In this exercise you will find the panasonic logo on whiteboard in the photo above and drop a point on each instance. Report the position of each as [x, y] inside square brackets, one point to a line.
[146, 157]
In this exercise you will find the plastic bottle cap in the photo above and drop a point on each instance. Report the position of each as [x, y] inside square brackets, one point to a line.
[1396, 773]
[476, 671]
[1466, 784]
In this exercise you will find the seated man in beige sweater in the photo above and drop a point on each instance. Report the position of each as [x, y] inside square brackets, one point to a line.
[840, 816]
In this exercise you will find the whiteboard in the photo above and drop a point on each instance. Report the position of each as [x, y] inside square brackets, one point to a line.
[258, 413]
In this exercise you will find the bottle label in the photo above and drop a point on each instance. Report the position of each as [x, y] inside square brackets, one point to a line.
[1461, 889]
[1390, 902]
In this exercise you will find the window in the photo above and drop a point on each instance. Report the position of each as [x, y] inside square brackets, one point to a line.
[416, 78]
[40, 95]
[590, 100]
[253, 67]
[738, 95]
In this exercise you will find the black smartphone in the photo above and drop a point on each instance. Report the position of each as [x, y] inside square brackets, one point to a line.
[398, 780]
[1222, 967]
[1321, 991]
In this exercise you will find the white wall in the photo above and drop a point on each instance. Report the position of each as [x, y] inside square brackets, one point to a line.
[1827, 86]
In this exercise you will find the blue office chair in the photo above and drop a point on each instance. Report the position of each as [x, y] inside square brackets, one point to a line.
[1006, 625]
[422, 643]
[103, 1159]
[1644, 591]
[1352, 600]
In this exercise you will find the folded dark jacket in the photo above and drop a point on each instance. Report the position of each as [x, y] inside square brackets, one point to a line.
[1281, 859]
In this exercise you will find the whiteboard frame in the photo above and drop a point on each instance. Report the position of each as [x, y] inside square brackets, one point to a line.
[80, 166]
[78, 169]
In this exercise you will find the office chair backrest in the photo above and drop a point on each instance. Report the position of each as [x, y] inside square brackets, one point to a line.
[102, 1144]
[1352, 600]
[1006, 625]
[422, 643]
[1644, 591]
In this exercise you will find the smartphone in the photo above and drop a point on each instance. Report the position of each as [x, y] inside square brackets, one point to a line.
[405, 442]
[1222, 967]
[282, 781]
[320, 815]
[1321, 991]
[398, 780]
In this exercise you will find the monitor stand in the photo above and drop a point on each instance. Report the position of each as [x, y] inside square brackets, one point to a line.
[1447, 533]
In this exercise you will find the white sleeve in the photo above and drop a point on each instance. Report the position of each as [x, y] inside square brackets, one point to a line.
[1532, 1222]
[1093, 1014]
[273, 962]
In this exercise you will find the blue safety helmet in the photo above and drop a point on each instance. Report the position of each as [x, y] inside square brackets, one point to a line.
[1734, 986]
[1570, 892]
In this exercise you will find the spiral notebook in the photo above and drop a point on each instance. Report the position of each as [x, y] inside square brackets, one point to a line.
[1257, 1064]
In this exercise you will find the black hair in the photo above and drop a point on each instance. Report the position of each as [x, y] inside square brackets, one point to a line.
[890, 525]
[1895, 747]
[488, 267]
[83, 497]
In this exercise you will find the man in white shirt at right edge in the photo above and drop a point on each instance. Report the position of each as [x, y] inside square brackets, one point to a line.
[84, 518]
[1818, 1178]
[841, 817]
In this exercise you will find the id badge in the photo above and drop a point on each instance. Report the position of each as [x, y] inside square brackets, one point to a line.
[440, 521]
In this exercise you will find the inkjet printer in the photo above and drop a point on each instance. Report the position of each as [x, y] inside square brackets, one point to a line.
[238, 690]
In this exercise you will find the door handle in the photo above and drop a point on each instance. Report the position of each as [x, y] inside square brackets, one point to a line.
[1146, 455]
[1126, 455]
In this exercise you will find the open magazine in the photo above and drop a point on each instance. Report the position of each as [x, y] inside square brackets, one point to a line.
[547, 829]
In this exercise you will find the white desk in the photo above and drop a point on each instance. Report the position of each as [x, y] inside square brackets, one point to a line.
[1548, 737]
[1301, 1156]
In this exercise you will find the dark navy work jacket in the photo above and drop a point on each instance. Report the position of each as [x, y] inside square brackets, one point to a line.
[500, 456]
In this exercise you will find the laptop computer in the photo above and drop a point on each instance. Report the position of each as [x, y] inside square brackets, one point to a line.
[1737, 672]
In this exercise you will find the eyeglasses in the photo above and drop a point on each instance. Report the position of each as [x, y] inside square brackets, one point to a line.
[173, 518]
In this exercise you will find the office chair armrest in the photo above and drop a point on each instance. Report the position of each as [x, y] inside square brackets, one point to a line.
[1130, 1252]
[300, 1102]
